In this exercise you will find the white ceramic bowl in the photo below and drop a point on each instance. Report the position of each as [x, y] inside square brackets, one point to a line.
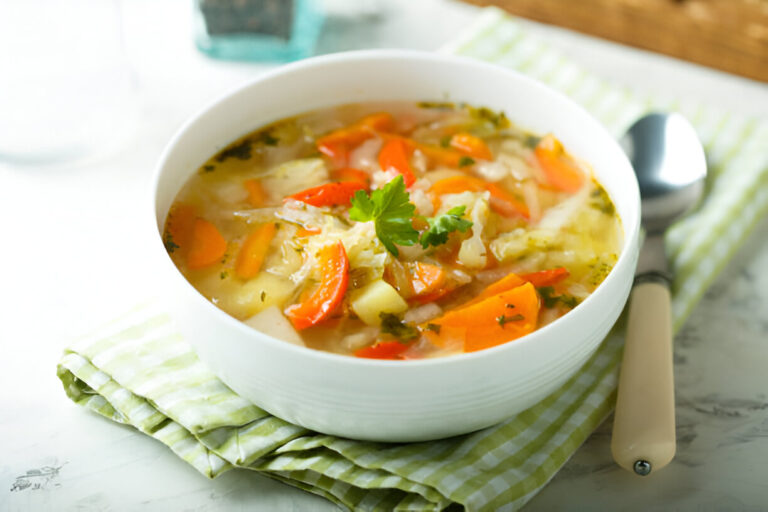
[395, 400]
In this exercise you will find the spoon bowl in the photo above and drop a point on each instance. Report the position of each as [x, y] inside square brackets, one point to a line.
[670, 167]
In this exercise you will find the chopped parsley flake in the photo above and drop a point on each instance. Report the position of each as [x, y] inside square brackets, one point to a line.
[241, 151]
[391, 324]
[464, 161]
[169, 244]
[504, 319]
[550, 300]
[440, 227]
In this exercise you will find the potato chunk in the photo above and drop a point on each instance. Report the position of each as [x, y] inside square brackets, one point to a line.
[375, 298]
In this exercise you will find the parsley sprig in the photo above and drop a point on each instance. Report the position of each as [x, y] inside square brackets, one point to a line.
[392, 213]
[440, 227]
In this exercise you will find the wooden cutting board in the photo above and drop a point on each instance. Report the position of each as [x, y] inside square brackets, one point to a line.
[730, 35]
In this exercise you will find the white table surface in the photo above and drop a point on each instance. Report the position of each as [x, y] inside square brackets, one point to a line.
[71, 259]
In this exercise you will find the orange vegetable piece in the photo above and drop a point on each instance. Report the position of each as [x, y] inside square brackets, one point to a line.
[330, 194]
[334, 269]
[471, 146]
[254, 250]
[207, 245]
[561, 172]
[383, 350]
[396, 155]
[506, 283]
[257, 196]
[338, 143]
[502, 202]
[440, 156]
[546, 277]
[351, 174]
[490, 322]
[426, 278]
[302, 232]
[181, 220]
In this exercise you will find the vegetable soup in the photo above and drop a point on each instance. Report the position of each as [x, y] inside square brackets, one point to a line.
[394, 230]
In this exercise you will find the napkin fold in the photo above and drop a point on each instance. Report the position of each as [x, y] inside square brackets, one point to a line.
[138, 370]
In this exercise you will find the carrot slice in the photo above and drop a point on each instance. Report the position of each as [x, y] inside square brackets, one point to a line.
[558, 168]
[548, 277]
[502, 202]
[207, 245]
[302, 232]
[334, 269]
[254, 250]
[383, 350]
[396, 155]
[351, 174]
[181, 221]
[440, 156]
[471, 146]
[506, 283]
[330, 194]
[425, 277]
[257, 196]
[489, 322]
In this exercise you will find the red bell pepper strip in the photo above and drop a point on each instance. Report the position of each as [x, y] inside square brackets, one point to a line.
[330, 194]
[334, 269]
[350, 174]
[383, 350]
[396, 155]
[548, 277]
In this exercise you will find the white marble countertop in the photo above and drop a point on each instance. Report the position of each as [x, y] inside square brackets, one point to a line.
[69, 255]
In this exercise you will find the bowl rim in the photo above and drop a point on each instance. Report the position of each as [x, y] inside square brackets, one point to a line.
[631, 232]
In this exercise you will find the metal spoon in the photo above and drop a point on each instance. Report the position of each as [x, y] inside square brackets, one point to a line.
[670, 166]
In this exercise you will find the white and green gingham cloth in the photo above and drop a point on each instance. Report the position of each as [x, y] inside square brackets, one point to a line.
[139, 371]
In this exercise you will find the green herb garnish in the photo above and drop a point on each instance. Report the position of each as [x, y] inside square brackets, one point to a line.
[263, 296]
[440, 227]
[550, 300]
[465, 161]
[437, 105]
[391, 211]
[268, 139]
[223, 275]
[434, 328]
[241, 151]
[600, 200]
[498, 119]
[391, 324]
[209, 168]
[531, 141]
[504, 319]
[445, 141]
[169, 244]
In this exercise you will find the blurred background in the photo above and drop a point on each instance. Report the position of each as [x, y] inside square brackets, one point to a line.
[104, 62]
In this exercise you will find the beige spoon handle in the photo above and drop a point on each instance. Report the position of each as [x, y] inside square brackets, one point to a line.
[644, 423]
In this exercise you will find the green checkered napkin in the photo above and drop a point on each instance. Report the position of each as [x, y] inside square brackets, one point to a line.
[139, 371]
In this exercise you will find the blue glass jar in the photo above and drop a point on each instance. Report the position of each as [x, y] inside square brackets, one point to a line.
[257, 30]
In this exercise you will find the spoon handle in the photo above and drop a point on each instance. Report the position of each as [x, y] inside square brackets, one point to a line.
[644, 422]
